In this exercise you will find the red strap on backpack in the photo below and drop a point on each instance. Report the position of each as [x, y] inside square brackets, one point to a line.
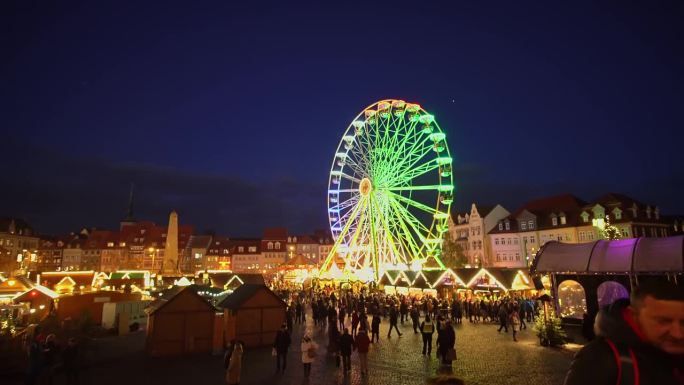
[624, 354]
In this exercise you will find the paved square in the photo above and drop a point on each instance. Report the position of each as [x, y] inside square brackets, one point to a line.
[485, 357]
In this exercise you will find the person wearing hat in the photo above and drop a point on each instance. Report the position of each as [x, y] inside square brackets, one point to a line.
[309, 348]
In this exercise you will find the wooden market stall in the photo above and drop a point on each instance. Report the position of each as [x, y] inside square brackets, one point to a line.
[252, 314]
[182, 322]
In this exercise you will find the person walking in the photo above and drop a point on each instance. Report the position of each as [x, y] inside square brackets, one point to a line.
[362, 343]
[354, 322]
[234, 365]
[446, 343]
[346, 347]
[375, 328]
[503, 318]
[427, 328]
[309, 351]
[403, 310]
[514, 321]
[342, 315]
[415, 318]
[281, 346]
[393, 319]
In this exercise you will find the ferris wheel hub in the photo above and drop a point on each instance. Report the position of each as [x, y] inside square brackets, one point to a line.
[365, 187]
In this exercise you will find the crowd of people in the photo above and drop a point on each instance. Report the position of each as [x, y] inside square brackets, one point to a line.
[351, 322]
[47, 358]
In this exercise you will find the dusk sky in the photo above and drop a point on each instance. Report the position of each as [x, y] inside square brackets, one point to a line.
[230, 112]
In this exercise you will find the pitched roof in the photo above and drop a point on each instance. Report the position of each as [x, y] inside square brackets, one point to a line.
[484, 210]
[244, 293]
[169, 295]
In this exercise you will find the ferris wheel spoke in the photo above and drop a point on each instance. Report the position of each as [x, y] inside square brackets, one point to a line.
[416, 172]
[412, 220]
[412, 157]
[405, 235]
[388, 234]
[341, 236]
[418, 205]
[413, 188]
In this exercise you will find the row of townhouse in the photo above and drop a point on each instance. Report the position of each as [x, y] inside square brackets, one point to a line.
[494, 237]
[265, 254]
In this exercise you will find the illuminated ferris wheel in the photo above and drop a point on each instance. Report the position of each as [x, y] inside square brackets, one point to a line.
[389, 191]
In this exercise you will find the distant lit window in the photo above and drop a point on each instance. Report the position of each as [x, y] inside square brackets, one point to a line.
[270, 246]
[252, 249]
[530, 225]
[277, 245]
[523, 225]
[496, 241]
[241, 249]
[500, 226]
[508, 225]
[554, 221]
[563, 220]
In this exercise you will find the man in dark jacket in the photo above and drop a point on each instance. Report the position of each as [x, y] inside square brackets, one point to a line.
[346, 347]
[641, 342]
[281, 345]
[393, 318]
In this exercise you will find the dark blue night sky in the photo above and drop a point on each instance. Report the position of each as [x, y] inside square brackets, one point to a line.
[230, 112]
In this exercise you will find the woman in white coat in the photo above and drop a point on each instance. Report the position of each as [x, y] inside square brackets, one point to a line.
[309, 351]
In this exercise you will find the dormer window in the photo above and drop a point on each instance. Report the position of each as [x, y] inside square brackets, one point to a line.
[617, 213]
[657, 213]
[562, 219]
[523, 225]
[508, 225]
[241, 249]
[634, 210]
[530, 225]
[270, 246]
[648, 212]
[500, 226]
[289, 239]
[585, 217]
[277, 245]
[554, 221]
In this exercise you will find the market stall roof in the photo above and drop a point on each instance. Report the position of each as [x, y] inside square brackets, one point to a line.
[626, 256]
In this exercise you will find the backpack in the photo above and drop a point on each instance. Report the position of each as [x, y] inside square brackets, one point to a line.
[627, 365]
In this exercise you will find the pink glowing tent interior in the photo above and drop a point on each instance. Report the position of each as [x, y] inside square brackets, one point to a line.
[623, 256]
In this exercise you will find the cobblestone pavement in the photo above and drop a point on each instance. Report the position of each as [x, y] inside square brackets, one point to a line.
[485, 357]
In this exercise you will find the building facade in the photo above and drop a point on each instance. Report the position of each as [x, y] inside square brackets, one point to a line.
[470, 230]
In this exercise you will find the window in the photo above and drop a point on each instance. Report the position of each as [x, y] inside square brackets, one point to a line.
[562, 220]
[531, 238]
[277, 245]
[618, 214]
[530, 224]
[496, 241]
[585, 217]
[581, 235]
[474, 245]
[517, 256]
[478, 230]
[498, 257]
[479, 245]
[508, 225]
[554, 221]
[560, 237]
[241, 249]
[515, 241]
[500, 226]
[270, 246]
[625, 233]
[523, 225]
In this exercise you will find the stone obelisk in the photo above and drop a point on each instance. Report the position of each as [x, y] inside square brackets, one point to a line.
[170, 267]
